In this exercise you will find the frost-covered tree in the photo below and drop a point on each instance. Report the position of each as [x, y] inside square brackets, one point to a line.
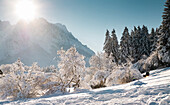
[107, 44]
[153, 40]
[71, 67]
[135, 44]
[164, 40]
[107, 37]
[125, 46]
[100, 67]
[112, 47]
[161, 56]
[22, 83]
[145, 44]
[140, 43]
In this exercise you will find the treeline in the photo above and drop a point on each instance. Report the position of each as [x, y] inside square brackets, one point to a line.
[152, 47]
[133, 46]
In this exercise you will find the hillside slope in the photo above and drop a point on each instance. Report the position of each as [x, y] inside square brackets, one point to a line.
[153, 90]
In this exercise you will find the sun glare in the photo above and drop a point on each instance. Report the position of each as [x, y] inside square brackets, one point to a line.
[26, 10]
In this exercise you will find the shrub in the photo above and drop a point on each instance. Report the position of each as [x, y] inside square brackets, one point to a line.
[26, 82]
[122, 75]
[99, 79]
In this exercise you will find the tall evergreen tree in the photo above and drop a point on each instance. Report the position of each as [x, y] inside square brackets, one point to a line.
[161, 56]
[132, 44]
[125, 46]
[107, 44]
[107, 36]
[115, 47]
[152, 40]
[111, 46]
[135, 35]
[164, 40]
[145, 45]
[140, 43]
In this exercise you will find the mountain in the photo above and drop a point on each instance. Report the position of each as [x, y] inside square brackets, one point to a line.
[37, 41]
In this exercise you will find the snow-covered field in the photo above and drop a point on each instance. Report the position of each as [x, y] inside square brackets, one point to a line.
[152, 90]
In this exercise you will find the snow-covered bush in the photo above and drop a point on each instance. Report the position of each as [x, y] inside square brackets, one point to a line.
[26, 81]
[53, 84]
[20, 83]
[100, 67]
[71, 67]
[104, 72]
[122, 75]
[152, 62]
[101, 61]
[139, 64]
[88, 75]
[99, 79]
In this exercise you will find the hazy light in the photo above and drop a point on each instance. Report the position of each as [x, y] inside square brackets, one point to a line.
[26, 10]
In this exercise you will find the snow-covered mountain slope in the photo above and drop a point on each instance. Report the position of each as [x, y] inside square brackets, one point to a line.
[152, 90]
[37, 41]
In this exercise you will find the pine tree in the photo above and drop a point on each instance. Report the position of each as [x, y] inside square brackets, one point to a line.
[135, 44]
[111, 46]
[152, 40]
[161, 56]
[107, 44]
[115, 47]
[140, 43]
[125, 45]
[145, 44]
[164, 40]
[132, 52]
[107, 36]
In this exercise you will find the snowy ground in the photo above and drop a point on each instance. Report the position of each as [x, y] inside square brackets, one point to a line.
[153, 90]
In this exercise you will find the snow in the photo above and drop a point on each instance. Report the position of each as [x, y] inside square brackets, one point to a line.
[152, 90]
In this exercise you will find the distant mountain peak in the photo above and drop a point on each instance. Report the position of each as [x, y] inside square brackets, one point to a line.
[37, 41]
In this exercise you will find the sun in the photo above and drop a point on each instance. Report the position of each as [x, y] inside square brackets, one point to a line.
[26, 10]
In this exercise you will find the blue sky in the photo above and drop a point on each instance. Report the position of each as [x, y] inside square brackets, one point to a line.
[89, 19]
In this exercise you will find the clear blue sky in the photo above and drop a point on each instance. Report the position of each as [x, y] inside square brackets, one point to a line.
[89, 19]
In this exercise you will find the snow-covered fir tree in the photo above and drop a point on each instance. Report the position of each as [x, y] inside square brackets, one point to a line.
[145, 43]
[111, 46]
[164, 40]
[107, 44]
[107, 37]
[115, 47]
[125, 46]
[140, 43]
[135, 44]
[153, 39]
[161, 56]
